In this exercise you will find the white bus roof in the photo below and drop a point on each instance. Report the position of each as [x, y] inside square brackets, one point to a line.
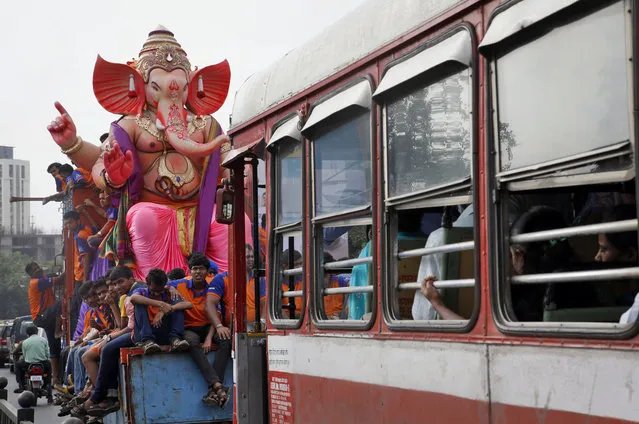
[358, 34]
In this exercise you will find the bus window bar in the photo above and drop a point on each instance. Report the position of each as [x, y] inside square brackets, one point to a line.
[577, 276]
[348, 263]
[294, 271]
[294, 293]
[443, 284]
[348, 290]
[447, 248]
[582, 230]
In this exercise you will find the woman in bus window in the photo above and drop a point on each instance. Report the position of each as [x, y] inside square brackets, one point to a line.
[618, 247]
[621, 248]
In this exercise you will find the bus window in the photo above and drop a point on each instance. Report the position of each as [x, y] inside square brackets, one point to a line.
[565, 222]
[429, 248]
[342, 183]
[345, 272]
[286, 292]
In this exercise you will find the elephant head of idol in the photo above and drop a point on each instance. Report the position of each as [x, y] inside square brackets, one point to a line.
[161, 79]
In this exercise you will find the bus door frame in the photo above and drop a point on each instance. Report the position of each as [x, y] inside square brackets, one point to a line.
[251, 390]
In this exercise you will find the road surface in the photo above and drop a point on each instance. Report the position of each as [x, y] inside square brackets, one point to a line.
[44, 414]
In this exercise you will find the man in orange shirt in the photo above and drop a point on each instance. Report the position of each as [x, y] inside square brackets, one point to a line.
[333, 303]
[45, 309]
[82, 258]
[202, 326]
[250, 288]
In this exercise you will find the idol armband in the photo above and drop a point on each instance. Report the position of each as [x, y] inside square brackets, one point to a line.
[76, 146]
[225, 147]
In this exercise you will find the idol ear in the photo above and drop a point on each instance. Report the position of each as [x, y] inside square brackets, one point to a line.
[208, 88]
[119, 88]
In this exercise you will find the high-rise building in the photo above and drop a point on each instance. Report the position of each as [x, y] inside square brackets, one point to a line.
[14, 181]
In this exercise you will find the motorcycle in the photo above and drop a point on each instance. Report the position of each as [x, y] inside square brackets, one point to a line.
[37, 382]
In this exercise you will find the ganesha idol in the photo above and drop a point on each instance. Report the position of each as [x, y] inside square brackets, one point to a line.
[161, 161]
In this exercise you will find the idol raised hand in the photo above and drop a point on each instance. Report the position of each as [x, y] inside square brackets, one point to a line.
[62, 129]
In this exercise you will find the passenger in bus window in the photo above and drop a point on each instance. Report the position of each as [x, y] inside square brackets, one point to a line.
[250, 288]
[535, 258]
[430, 267]
[429, 292]
[334, 305]
[201, 326]
[297, 283]
[618, 247]
[359, 304]
[158, 318]
[621, 248]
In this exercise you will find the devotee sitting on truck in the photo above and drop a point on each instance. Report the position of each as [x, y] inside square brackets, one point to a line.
[176, 274]
[45, 309]
[202, 326]
[100, 322]
[91, 357]
[87, 294]
[158, 318]
[104, 398]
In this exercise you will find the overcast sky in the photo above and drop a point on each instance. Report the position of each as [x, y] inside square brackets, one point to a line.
[49, 50]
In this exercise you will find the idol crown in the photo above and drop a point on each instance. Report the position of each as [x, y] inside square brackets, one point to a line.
[161, 50]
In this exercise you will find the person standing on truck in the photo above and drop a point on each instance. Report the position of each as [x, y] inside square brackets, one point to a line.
[202, 326]
[158, 318]
[35, 350]
[82, 258]
[45, 309]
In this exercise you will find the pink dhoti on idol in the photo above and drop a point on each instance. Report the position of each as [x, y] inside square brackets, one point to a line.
[160, 237]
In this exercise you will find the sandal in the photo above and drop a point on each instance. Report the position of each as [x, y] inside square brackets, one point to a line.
[112, 405]
[217, 396]
[211, 398]
[223, 397]
[78, 411]
[150, 347]
[178, 345]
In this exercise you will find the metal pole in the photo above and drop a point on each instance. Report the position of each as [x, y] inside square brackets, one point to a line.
[256, 249]
[291, 278]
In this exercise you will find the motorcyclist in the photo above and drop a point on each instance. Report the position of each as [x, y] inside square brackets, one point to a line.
[35, 350]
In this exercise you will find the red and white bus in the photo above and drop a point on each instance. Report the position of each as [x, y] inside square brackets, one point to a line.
[375, 135]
